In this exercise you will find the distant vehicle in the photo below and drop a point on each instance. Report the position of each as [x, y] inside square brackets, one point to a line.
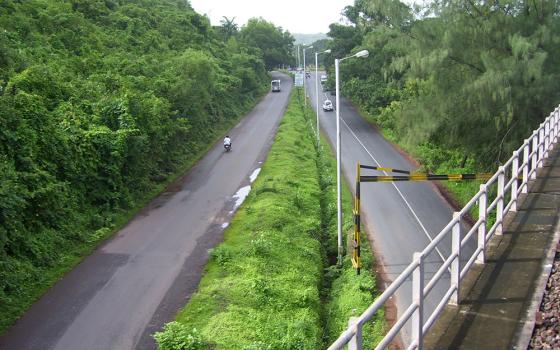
[275, 85]
[327, 106]
[307, 75]
[323, 78]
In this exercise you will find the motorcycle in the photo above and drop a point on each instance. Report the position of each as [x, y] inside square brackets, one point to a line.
[227, 147]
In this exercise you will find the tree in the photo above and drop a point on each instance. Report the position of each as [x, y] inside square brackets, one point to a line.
[229, 28]
[274, 43]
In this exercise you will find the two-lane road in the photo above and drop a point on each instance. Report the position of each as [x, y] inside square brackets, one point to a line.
[401, 218]
[135, 282]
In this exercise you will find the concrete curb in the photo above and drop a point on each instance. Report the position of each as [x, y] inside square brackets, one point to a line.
[526, 333]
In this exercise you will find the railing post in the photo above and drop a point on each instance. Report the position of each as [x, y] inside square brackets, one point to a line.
[541, 146]
[535, 138]
[514, 175]
[418, 299]
[500, 203]
[482, 205]
[456, 264]
[356, 342]
[525, 187]
[555, 121]
[547, 136]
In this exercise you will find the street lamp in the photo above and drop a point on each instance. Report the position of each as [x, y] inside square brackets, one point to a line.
[363, 53]
[317, 92]
[304, 76]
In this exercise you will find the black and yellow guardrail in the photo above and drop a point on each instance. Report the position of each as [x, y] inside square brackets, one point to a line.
[411, 176]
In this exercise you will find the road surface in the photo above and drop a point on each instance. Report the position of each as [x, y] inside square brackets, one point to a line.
[135, 282]
[401, 218]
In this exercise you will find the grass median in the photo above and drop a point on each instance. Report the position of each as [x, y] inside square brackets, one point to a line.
[271, 283]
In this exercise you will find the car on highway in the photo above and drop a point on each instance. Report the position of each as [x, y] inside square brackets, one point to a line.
[323, 78]
[327, 106]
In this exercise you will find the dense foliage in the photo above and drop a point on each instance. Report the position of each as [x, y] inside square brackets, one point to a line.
[269, 284]
[100, 101]
[466, 77]
[278, 46]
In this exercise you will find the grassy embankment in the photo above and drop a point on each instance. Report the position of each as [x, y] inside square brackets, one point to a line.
[272, 284]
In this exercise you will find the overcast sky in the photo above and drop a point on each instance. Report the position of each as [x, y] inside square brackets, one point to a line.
[297, 16]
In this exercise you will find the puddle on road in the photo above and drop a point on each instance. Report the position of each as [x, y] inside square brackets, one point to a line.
[254, 175]
[240, 196]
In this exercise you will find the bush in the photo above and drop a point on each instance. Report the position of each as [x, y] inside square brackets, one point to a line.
[175, 336]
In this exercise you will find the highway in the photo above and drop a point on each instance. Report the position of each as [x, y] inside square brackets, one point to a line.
[136, 281]
[400, 218]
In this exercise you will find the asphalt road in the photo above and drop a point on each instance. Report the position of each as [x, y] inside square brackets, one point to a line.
[135, 282]
[400, 218]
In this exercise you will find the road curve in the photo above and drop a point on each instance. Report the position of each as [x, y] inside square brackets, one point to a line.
[136, 281]
[400, 218]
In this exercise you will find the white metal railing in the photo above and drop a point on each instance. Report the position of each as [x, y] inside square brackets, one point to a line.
[524, 163]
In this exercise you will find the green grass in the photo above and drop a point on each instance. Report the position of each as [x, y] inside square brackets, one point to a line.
[269, 284]
[348, 294]
[32, 282]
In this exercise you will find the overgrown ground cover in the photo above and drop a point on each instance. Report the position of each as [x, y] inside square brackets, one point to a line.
[273, 283]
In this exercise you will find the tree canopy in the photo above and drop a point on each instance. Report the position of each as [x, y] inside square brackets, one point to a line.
[475, 76]
[275, 44]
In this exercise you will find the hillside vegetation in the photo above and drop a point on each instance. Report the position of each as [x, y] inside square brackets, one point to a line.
[271, 283]
[101, 101]
[458, 83]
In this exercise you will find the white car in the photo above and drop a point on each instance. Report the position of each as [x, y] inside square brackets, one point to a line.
[327, 105]
[323, 78]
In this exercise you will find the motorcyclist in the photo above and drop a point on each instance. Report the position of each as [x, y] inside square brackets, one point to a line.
[227, 141]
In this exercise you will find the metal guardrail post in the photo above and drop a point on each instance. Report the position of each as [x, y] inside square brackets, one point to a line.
[356, 342]
[482, 205]
[500, 204]
[534, 158]
[356, 260]
[456, 264]
[418, 298]
[525, 187]
[514, 184]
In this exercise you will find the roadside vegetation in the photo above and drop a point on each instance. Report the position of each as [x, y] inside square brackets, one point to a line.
[458, 84]
[273, 283]
[102, 103]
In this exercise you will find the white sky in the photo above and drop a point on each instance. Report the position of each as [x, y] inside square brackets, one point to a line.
[297, 16]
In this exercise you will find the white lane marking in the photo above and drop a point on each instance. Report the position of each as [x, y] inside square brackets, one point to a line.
[395, 186]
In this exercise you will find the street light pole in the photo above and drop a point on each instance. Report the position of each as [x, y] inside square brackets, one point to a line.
[317, 93]
[338, 190]
[305, 76]
[363, 53]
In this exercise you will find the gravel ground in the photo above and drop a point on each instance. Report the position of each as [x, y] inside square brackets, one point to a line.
[546, 334]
